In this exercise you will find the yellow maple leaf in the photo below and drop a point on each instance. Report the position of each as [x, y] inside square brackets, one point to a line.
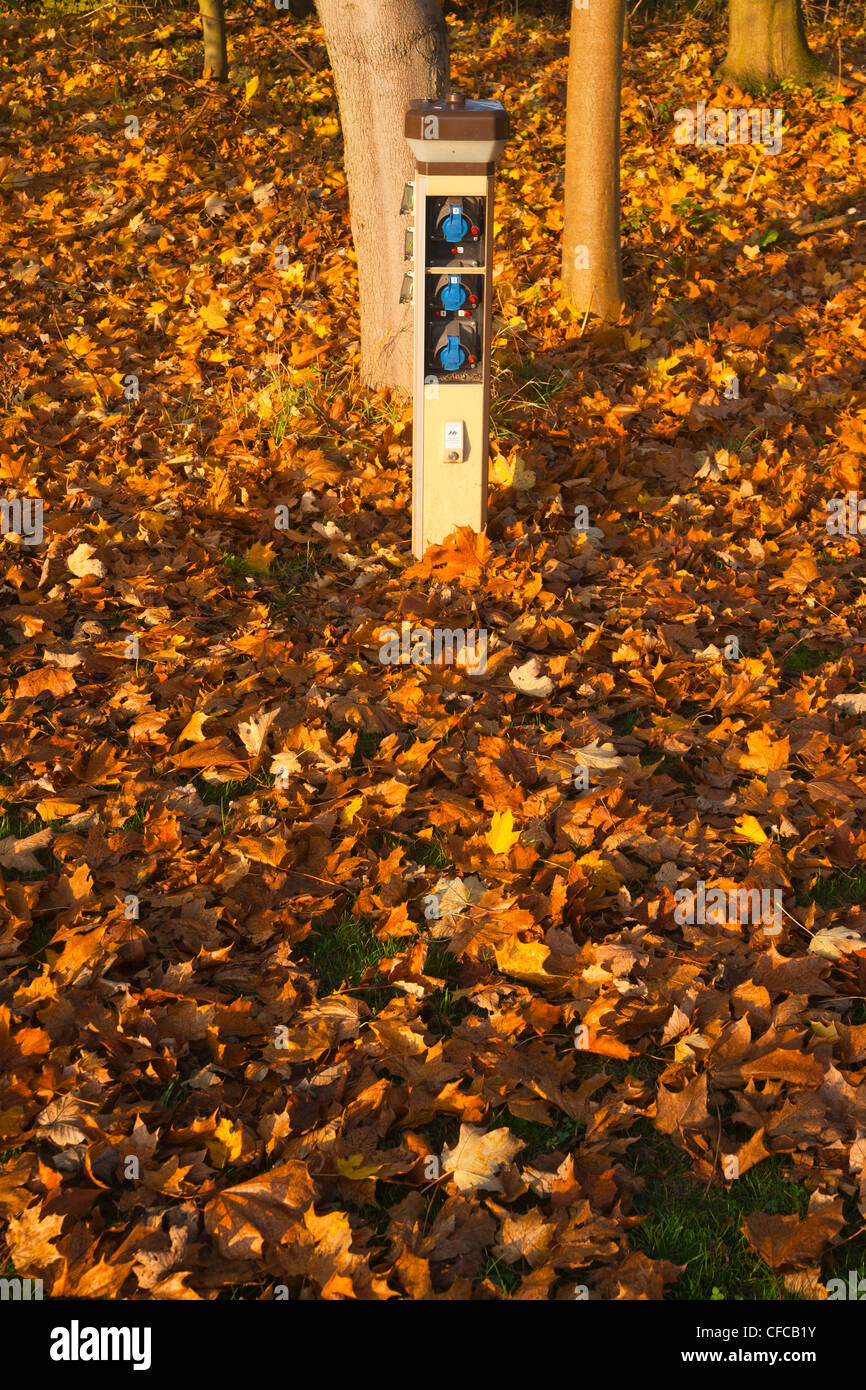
[669, 723]
[251, 87]
[192, 731]
[260, 557]
[226, 1143]
[355, 1169]
[501, 836]
[212, 316]
[350, 810]
[525, 960]
[500, 470]
[56, 808]
[600, 871]
[747, 828]
[635, 341]
[663, 366]
[511, 472]
[154, 522]
[827, 1032]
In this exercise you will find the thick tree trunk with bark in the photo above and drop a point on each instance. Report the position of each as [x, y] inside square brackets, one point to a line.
[383, 54]
[213, 23]
[767, 43]
[591, 259]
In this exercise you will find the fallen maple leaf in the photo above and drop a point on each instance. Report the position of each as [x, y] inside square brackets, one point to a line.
[253, 732]
[685, 1109]
[225, 1144]
[528, 681]
[525, 960]
[81, 564]
[59, 1122]
[56, 808]
[213, 317]
[501, 837]
[260, 557]
[747, 828]
[798, 576]
[835, 942]
[153, 522]
[600, 872]
[355, 1169]
[601, 756]
[511, 472]
[455, 895]
[263, 1209]
[192, 731]
[825, 1032]
[785, 1241]
[51, 678]
[350, 810]
[478, 1156]
[18, 854]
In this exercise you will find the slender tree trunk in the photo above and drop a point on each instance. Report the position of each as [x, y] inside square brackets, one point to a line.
[213, 23]
[767, 43]
[591, 259]
[383, 54]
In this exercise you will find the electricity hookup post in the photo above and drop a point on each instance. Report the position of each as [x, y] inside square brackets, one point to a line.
[456, 143]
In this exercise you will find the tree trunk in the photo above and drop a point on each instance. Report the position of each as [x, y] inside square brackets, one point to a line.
[591, 259]
[767, 43]
[383, 54]
[213, 23]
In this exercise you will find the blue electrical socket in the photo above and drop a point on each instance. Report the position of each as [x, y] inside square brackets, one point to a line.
[453, 296]
[452, 356]
[455, 226]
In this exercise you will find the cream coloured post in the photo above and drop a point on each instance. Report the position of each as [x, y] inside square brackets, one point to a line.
[456, 143]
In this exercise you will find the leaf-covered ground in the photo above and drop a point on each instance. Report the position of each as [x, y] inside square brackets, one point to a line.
[297, 946]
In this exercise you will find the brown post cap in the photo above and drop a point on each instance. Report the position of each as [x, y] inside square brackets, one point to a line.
[459, 118]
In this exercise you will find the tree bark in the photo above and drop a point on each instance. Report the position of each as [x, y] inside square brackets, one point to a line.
[591, 258]
[767, 43]
[383, 54]
[213, 23]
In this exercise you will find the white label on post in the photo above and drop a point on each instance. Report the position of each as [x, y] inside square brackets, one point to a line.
[454, 441]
